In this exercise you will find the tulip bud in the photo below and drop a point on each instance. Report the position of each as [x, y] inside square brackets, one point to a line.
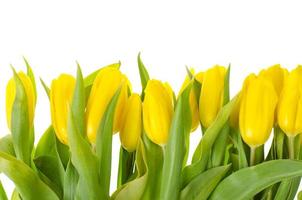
[234, 117]
[290, 104]
[132, 123]
[11, 94]
[276, 74]
[193, 103]
[105, 85]
[257, 108]
[211, 95]
[157, 111]
[61, 94]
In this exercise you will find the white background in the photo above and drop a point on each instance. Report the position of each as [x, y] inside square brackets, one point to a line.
[52, 35]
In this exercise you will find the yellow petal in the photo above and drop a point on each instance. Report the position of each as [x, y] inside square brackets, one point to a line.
[157, 112]
[132, 123]
[276, 74]
[61, 94]
[211, 95]
[11, 94]
[290, 103]
[257, 108]
[104, 87]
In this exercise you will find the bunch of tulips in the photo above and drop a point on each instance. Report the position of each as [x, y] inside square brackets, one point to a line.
[72, 160]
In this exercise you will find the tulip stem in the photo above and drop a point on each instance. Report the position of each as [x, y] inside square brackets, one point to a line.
[291, 147]
[252, 156]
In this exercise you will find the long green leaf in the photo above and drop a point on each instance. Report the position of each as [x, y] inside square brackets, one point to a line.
[175, 149]
[20, 128]
[6, 145]
[46, 88]
[134, 189]
[27, 182]
[3, 195]
[202, 185]
[82, 156]
[104, 145]
[70, 182]
[144, 75]
[126, 164]
[207, 142]
[247, 182]
[154, 162]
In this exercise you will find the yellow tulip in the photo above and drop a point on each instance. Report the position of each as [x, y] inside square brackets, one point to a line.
[211, 95]
[276, 74]
[234, 117]
[11, 94]
[105, 85]
[132, 123]
[61, 94]
[290, 104]
[257, 108]
[193, 103]
[157, 111]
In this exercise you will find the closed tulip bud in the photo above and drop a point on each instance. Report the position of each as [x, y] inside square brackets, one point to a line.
[276, 74]
[105, 85]
[234, 117]
[157, 111]
[132, 123]
[257, 108]
[211, 95]
[290, 104]
[61, 94]
[11, 94]
[193, 103]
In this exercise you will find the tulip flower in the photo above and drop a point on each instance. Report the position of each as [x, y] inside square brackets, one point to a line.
[211, 95]
[290, 104]
[11, 94]
[257, 108]
[105, 85]
[61, 94]
[157, 111]
[276, 74]
[193, 103]
[132, 123]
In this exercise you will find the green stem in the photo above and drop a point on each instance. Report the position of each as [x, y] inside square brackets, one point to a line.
[291, 147]
[252, 156]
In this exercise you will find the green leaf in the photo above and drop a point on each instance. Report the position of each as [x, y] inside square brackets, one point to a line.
[15, 195]
[82, 156]
[126, 164]
[6, 145]
[219, 147]
[256, 179]
[27, 182]
[46, 143]
[48, 162]
[70, 182]
[104, 145]
[202, 185]
[135, 188]
[46, 88]
[49, 167]
[31, 75]
[144, 75]
[206, 143]
[20, 128]
[154, 162]
[175, 149]
[2, 193]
